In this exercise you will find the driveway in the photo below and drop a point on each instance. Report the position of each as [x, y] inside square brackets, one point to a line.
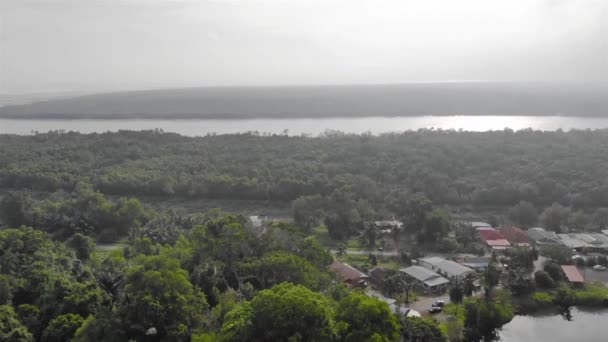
[422, 304]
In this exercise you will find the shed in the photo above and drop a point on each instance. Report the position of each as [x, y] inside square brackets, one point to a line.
[349, 274]
[572, 274]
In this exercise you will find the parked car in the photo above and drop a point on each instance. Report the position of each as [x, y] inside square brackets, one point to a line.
[599, 268]
[434, 309]
[439, 303]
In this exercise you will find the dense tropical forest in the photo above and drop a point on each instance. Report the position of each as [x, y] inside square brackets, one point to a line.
[84, 257]
[449, 167]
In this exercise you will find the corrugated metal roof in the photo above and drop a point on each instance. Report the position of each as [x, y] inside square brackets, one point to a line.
[346, 271]
[498, 243]
[572, 273]
[425, 275]
[449, 267]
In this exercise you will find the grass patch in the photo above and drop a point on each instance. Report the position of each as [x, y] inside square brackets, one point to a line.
[322, 235]
[103, 250]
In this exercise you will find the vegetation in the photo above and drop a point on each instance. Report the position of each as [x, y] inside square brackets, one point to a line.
[215, 276]
[492, 168]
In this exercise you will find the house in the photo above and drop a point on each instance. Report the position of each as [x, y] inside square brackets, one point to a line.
[426, 279]
[573, 275]
[448, 268]
[588, 241]
[498, 245]
[480, 225]
[349, 274]
[572, 242]
[476, 263]
[542, 237]
[387, 226]
[515, 236]
[378, 274]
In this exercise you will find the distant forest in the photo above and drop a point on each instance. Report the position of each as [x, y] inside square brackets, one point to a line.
[500, 168]
[471, 98]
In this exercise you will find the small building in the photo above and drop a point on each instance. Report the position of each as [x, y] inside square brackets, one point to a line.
[573, 275]
[480, 225]
[571, 241]
[387, 226]
[498, 245]
[476, 263]
[542, 237]
[426, 279]
[448, 268]
[349, 274]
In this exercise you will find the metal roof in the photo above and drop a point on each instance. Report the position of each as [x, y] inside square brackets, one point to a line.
[449, 267]
[572, 273]
[425, 275]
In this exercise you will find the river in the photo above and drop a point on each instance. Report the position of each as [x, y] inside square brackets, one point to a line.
[584, 326]
[374, 125]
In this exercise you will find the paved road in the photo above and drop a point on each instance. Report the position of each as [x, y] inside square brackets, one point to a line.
[383, 253]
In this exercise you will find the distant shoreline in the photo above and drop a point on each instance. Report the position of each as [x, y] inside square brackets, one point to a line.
[340, 102]
[194, 117]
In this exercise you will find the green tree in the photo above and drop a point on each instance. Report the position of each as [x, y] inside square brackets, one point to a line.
[456, 294]
[523, 214]
[483, 319]
[62, 328]
[161, 297]
[306, 211]
[553, 270]
[16, 209]
[564, 297]
[421, 330]
[82, 245]
[437, 224]
[11, 329]
[600, 218]
[543, 280]
[559, 254]
[278, 267]
[556, 217]
[364, 318]
[491, 277]
[286, 312]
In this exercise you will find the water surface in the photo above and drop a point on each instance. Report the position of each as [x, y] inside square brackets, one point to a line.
[584, 326]
[375, 125]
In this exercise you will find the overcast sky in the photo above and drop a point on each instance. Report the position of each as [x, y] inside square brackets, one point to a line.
[100, 45]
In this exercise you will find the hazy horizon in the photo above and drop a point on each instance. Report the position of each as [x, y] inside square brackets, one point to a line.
[117, 45]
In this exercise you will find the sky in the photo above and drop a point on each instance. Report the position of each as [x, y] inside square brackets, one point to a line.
[107, 45]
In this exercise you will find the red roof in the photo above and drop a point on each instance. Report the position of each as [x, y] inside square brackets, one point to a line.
[514, 235]
[490, 234]
[346, 271]
[572, 273]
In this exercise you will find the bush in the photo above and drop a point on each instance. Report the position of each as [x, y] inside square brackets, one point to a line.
[592, 295]
[543, 280]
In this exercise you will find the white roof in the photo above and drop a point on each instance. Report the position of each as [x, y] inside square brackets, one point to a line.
[425, 275]
[480, 224]
[451, 268]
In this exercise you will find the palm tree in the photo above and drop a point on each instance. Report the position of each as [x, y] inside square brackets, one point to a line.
[369, 236]
[456, 295]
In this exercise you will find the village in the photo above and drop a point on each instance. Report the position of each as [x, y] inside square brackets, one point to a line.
[421, 286]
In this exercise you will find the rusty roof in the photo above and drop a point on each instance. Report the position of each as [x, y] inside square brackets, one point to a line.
[346, 271]
[572, 273]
